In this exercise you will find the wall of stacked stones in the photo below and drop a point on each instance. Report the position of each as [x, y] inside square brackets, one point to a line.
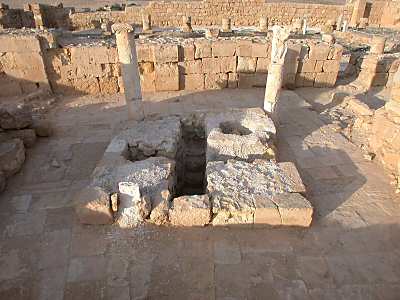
[207, 13]
[194, 64]
[22, 68]
[384, 13]
[15, 18]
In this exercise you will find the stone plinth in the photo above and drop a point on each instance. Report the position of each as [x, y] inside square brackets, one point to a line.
[258, 193]
[239, 134]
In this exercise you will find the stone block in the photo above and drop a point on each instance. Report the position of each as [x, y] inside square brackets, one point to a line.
[80, 55]
[148, 82]
[108, 85]
[246, 64]
[89, 85]
[215, 81]
[193, 82]
[307, 66]
[294, 209]
[144, 52]
[202, 49]
[223, 48]
[244, 48]
[325, 79]
[12, 156]
[232, 80]
[261, 50]
[331, 66]
[266, 212]
[227, 64]
[191, 67]
[92, 206]
[262, 64]
[190, 211]
[336, 52]
[260, 79]
[291, 172]
[165, 53]
[319, 51]
[211, 65]
[166, 77]
[187, 51]
[358, 107]
[15, 116]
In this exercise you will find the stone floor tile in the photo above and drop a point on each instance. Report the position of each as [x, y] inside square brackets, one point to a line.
[55, 249]
[52, 283]
[314, 271]
[87, 268]
[88, 243]
[84, 290]
[226, 253]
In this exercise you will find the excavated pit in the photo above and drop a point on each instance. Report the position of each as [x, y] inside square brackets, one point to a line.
[191, 160]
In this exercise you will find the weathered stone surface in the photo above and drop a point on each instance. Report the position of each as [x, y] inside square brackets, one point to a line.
[13, 116]
[292, 174]
[42, 127]
[294, 209]
[28, 136]
[358, 107]
[92, 206]
[154, 176]
[241, 134]
[2, 181]
[190, 211]
[133, 209]
[12, 156]
[244, 193]
[152, 138]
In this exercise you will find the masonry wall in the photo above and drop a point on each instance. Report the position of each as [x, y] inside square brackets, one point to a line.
[22, 67]
[385, 13]
[15, 18]
[245, 12]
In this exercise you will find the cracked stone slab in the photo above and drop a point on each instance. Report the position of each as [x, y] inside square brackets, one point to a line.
[243, 134]
[154, 176]
[246, 193]
[149, 138]
[192, 210]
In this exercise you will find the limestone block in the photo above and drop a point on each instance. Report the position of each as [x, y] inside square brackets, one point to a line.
[202, 49]
[262, 65]
[101, 55]
[232, 80]
[92, 206]
[227, 64]
[191, 67]
[238, 134]
[190, 211]
[223, 48]
[165, 53]
[15, 116]
[166, 77]
[133, 209]
[80, 55]
[89, 85]
[318, 66]
[319, 51]
[215, 81]
[27, 136]
[89, 70]
[325, 79]
[331, 66]
[152, 138]
[144, 52]
[294, 209]
[258, 192]
[187, 51]
[307, 66]
[154, 176]
[293, 175]
[260, 50]
[193, 82]
[108, 85]
[244, 48]
[211, 65]
[246, 64]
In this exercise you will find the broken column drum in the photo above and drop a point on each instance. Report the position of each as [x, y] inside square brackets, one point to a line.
[274, 79]
[129, 69]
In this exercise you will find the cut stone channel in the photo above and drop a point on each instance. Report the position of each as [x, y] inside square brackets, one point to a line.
[214, 168]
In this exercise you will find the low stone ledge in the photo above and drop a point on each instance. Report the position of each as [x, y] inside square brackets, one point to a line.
[190, 211]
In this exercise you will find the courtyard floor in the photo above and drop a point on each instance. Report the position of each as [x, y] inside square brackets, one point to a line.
[351, 251]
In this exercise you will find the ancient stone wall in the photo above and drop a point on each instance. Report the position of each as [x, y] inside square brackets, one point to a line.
[22, 68]
[208, 12]
[385, 13]
[15, 18]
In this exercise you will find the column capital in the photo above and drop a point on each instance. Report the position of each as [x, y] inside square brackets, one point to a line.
[121, 27]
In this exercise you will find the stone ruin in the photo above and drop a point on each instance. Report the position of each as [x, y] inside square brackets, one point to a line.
[206, 168]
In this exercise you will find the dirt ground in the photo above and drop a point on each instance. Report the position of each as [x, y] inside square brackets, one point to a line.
[351, 251]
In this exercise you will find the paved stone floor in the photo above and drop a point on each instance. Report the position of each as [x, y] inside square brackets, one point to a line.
[351, 251]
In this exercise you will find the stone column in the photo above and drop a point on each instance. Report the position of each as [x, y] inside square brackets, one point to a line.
[345, 26]
[226, 25]
[358, 12]
[263, 25]
[129, 69]
[304, 26]
[146, 22]
[339, 23]
[187, 24]
[275, 70]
